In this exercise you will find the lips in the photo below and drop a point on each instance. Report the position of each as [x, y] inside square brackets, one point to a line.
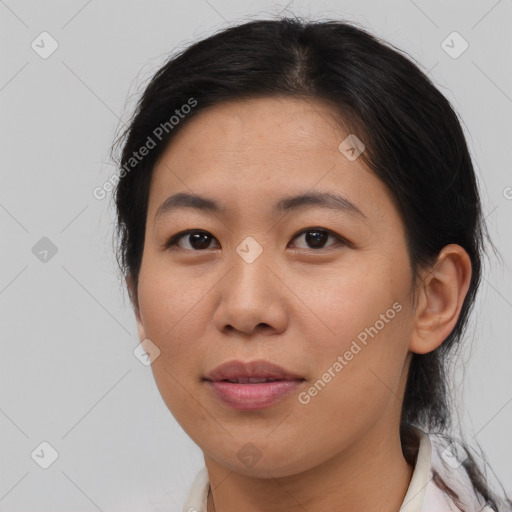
[253, 385]
[252, 372]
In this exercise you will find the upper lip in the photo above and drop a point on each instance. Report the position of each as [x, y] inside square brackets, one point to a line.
[234, 370]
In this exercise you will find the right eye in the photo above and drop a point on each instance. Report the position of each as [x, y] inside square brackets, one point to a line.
[197, 240]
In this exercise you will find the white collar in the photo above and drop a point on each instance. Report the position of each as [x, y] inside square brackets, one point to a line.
[415, 494]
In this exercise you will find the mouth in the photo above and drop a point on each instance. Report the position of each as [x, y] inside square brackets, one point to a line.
[252, 372]
[253, 385]
[250, 380]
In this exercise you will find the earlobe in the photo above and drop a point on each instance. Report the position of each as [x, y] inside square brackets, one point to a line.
[443, 289]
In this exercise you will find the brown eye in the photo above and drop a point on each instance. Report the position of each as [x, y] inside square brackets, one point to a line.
[316, 238]
[197, 240]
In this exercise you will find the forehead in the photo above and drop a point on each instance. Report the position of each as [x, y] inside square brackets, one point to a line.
[255, 152]
[273, 124]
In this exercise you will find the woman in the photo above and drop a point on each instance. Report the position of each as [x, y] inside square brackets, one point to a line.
[300, 231]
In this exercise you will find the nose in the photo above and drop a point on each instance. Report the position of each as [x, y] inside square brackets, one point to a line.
[252, 298]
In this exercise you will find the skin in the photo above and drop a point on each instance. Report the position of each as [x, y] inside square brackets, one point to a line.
[297, 305]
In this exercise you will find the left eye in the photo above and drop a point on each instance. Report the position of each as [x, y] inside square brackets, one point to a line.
[317, 237]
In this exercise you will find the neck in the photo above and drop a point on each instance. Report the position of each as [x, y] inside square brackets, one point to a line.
[371, 475]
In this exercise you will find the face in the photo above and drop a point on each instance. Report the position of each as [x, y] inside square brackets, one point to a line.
[319, 287]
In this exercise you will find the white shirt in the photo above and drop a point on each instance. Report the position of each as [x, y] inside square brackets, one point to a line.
[434, 458]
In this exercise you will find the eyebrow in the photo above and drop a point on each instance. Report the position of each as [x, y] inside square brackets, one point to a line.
[329, 200]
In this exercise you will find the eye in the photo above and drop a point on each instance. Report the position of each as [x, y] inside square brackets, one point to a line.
[197, 239]
[317, 238]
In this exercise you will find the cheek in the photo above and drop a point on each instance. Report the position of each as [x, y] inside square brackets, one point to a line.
[175, 317]
[171, 306]
[171, 314]
[365, 336]
[358, 378]
[362, 299]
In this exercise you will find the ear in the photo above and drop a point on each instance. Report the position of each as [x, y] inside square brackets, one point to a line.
[132, 291]
[442, 291]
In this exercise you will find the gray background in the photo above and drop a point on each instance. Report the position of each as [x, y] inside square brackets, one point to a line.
[69, 376]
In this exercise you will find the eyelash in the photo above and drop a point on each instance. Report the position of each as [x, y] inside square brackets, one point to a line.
[175, 238]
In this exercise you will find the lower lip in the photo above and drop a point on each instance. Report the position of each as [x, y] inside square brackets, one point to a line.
[248, 397]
